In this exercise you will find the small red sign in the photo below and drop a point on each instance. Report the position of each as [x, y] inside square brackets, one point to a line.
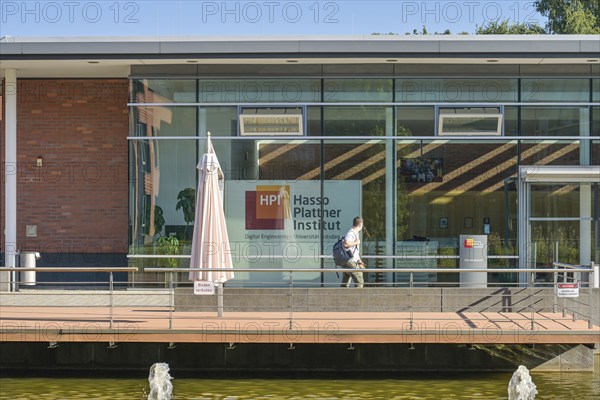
[469, 243]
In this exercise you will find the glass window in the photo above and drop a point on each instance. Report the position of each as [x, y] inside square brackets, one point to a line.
[456, 90]
[161, 170]
[219, 121]
[596, 89]
[357, 121]
[550, 90]
[550, 152]
[554, 121]
[415, 121]
[163, 121]
[456, 121]
[355, 90]
[260, 91]
[446, 189]
[595, 131]
[163, 91]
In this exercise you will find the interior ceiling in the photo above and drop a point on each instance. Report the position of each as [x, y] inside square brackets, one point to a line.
[105, 68]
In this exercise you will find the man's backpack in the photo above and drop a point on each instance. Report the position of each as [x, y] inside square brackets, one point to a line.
[341, 256]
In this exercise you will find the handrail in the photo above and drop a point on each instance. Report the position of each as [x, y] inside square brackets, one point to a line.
[322, 256]
[392, 270]
[70, 269]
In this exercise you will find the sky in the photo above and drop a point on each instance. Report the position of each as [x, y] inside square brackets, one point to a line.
[268, 17]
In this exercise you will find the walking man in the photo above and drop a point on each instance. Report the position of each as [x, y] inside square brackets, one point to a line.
[355, 264]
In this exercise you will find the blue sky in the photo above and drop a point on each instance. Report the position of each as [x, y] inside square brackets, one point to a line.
[268, 17]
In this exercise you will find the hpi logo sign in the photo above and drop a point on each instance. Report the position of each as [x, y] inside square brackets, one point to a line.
[267, 207]
[471, 243]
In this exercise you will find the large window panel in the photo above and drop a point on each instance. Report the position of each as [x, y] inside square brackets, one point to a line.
[446, 189]
[555, 90]
[554, 121]
[162, 121]
[595, 131]
[163, 91]
[596, 89]
[415, 121]
[357, 120]
[456, 90]
[273, 208]
[259, 91]
[356, 176]
[355, 90]
[219, 121]
[550, 152]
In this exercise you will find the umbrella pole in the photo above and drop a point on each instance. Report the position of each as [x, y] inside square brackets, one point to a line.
[219, 299]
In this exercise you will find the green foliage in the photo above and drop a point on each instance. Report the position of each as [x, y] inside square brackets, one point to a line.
[503, 28]
[499, 247]
[570, 16]
[186, 201]
[568, 248]
[159, 220]
[447, 262]
[168, 245]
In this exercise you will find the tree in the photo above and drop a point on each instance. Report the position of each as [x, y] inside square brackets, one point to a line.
[571, 16]
[503, 28]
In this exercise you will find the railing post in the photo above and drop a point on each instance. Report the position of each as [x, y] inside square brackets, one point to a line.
[555, 280]
[596, 275]
[291, 300]
[110, 288]
[171, 300]
[410, 303]
[590, 306]
[531, 301]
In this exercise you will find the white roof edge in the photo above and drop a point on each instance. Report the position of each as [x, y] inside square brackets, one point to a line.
[291, 38]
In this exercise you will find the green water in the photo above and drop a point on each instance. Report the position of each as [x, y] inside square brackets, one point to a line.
[563, 386]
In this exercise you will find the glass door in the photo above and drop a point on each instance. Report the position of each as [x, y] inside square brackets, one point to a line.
[559, 216]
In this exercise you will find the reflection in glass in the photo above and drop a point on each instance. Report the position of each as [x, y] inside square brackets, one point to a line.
[357, 121]
[550, 152]
[163, 121]
[456, 90]
[415, 121]
[163, 91]
[555, 89]
[553, 121]
[355, 90]
[260, 91]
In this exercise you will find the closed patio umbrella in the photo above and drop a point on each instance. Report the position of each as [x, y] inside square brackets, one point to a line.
[210, 243]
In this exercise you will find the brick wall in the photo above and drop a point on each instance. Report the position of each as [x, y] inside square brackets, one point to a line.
[78, 197]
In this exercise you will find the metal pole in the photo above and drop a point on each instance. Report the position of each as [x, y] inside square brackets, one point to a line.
[110, 286]
[531, 302]
[290, 301]
[220, 299]
[555, 279]
[171, 300]
[590, 307]
[410, 304]
[596, 274]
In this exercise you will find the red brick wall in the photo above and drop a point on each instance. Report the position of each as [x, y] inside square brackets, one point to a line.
[78, 198]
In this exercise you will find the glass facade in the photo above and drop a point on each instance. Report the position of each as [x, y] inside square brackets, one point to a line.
[423, 160]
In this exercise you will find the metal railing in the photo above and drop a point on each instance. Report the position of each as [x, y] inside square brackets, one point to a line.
[290, 296]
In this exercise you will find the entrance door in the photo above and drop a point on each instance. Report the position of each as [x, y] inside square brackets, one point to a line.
[558, 216]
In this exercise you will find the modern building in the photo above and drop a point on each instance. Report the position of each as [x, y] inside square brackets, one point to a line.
[426, 137]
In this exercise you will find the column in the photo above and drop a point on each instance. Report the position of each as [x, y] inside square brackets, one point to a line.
[10, 169]
[585, 192]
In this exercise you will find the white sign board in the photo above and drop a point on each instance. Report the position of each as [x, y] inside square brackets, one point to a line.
[204, 288]
[567, 289]
[277, 224]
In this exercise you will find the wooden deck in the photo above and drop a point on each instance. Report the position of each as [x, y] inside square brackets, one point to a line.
[153, 324]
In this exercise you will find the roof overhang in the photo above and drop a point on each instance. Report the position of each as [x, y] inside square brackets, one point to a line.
[113, 56]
